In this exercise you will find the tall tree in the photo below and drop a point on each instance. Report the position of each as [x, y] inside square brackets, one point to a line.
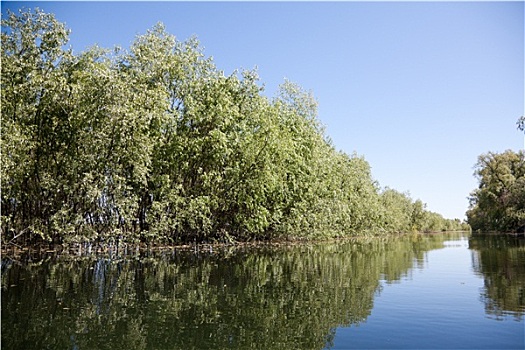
[35, 100]
[499, 201]
[156, 144]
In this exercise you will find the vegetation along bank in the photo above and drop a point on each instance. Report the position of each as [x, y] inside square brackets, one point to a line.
[498, 204]
[156, 145]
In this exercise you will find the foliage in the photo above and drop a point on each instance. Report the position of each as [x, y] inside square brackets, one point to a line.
[155, 144]
[401, 214]
[498, 204]
[521, 123]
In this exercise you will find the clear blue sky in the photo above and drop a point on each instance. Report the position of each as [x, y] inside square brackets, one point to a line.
[419, 89]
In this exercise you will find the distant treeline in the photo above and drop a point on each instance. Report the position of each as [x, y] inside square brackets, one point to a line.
[155, 144]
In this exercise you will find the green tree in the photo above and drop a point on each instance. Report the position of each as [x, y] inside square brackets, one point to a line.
[499, 202]
[156, 144]
[399, 212]
[34, 124]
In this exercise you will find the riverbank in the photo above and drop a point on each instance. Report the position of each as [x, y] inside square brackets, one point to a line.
[227, 162]
[123, 249]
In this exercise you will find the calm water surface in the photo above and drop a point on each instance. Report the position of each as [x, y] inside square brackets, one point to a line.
[435, 291]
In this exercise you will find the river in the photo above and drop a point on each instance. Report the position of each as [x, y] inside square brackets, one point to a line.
[439, 291]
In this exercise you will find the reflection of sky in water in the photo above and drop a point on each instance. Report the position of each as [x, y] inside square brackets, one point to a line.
[413, 291]
[441, 305]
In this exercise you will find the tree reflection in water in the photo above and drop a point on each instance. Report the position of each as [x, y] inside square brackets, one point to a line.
[266, 297]
[500, 259]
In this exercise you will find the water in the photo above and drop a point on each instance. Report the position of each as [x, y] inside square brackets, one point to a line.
[436, 291]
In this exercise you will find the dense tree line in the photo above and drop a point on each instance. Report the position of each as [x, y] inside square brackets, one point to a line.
[498, 204]
[155, 143]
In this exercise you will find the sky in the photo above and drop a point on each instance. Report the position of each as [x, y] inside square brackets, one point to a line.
[419, 89]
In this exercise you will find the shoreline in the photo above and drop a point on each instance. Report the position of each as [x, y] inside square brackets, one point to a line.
[122, 250]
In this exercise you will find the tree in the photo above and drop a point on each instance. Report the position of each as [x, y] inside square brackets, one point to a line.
[156, 144]
[499, 202]
[34, 124]
[521, 123]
